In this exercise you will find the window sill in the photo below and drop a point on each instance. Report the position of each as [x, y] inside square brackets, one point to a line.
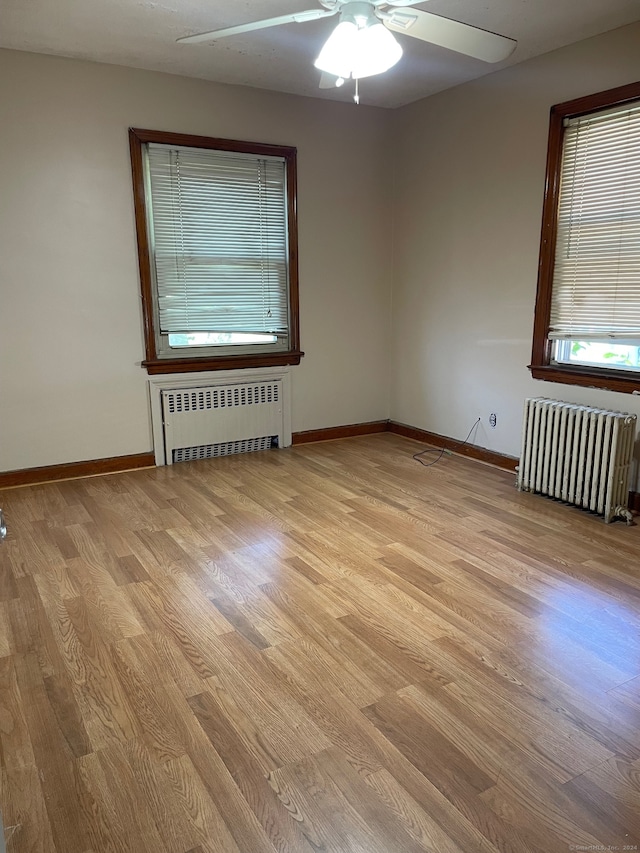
[226, 362]
[609, 380]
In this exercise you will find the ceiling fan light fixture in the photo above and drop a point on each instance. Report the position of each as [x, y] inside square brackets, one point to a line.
[360, 46]
[337, 54]
[376, 51]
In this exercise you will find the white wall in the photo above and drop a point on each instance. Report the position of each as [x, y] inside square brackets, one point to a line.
[470, 182]
[71, 385]
[468, 198]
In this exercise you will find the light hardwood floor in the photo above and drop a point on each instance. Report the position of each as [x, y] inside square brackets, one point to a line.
[327, 648]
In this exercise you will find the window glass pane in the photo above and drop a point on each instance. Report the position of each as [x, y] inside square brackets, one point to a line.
[599, 354]
[218, 339]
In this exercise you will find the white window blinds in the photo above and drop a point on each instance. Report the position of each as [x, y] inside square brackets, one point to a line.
[218, 223]
[596, 283]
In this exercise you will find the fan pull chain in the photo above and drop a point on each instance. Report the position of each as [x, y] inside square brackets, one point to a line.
[356, 97]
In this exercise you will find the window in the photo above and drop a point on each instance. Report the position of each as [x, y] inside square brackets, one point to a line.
[217, 246]
[587, 323]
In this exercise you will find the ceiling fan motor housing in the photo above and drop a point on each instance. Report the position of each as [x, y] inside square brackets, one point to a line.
[358, 12]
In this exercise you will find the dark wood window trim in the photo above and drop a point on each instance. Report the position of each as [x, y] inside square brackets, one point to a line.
[541, 366]
[138, 138]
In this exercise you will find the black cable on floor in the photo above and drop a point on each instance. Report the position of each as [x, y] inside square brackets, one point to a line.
[444, 449]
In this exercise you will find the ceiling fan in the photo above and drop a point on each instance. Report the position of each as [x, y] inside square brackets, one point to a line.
[362, 44]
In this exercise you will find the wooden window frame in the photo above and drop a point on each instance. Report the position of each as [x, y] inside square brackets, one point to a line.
[138, 138]
[541, 366]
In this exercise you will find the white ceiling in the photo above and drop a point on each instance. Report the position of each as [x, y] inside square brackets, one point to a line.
[142, 34]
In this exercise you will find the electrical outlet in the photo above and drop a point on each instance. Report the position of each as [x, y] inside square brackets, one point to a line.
[493, 420]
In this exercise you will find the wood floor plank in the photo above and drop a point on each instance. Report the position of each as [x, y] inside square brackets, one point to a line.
[204, 818]
[364, 677]
[15, 742]
[111, 712]
[248, 774]
[353, 796]
[68, 803]
[403, 657]
[322, 649]
[273, 727]
[29, 628]
[172, 666]
[415, 820]
[24, 813]
[110, 777]
[112, 610]
[542, 808]
[436, 756]
[243, 823]
[8, 587]
[549, 747]
[340, 720]
[148, 701]
[242, 624]
[153, 784]
[324, 817]
[628, 693]
[188, 618]
[534, 712]
[594, 715]
[67, 712]
[7, 644]
[617, 811]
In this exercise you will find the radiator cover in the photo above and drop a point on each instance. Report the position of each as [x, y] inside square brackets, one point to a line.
[215, 415]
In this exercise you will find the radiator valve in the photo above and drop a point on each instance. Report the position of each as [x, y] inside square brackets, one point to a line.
[623, 512]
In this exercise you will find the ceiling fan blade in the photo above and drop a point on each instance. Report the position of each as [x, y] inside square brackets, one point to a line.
[403, 2]
[472, 41]
[295, 17]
